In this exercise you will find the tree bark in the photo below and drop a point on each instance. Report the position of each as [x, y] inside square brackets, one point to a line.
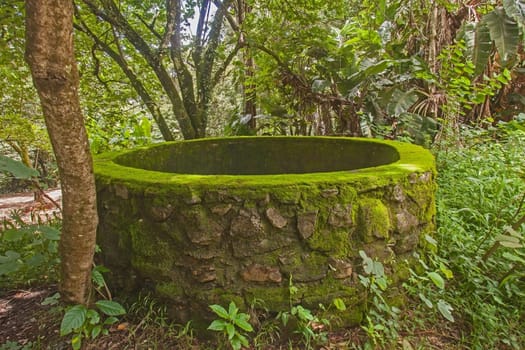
[50, 55]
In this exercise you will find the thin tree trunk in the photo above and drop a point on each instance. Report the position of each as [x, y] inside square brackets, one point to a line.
[50, 54]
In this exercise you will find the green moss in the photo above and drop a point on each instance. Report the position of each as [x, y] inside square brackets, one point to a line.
[272, 298]
[374, 220]
[335, 242]
[412, 159]
[169, 290]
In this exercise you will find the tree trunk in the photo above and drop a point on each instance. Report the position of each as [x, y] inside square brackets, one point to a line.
[50, 54]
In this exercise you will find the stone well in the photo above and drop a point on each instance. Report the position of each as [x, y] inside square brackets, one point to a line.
[214, 220]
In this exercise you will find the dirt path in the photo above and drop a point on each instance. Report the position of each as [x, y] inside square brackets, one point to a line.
[24, 206]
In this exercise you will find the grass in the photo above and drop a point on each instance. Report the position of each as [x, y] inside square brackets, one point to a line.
[481, 193]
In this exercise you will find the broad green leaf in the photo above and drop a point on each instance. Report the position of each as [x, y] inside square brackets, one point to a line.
[13, 235]
[505, 33]
[284, 318]
[368, 264]
[73, 319]
[515, 9]
[379, 269]
[10, 255]
[382, 282]
[16, 168]
[482, 48]
[339, 304]
[401, 101]
[9, 267]
[52, 300]
[236, 343]
[110, 308]
[110, 320]
[97, 278]
[217, 325]
[220, 311]
[304, 314]
[243, 340]
[230, 331]
[368, 69]
[446, 271]
[243, 324]
[445, 309]
[437, 279]
[232, 310]
[35, 260]
[96, 331]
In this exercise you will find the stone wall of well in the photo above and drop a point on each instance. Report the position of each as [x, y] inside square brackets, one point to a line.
[213, 244]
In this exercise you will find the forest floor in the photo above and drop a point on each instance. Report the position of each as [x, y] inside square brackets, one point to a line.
[27, 324]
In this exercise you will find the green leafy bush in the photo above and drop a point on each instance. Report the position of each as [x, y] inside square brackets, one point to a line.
[481, 235]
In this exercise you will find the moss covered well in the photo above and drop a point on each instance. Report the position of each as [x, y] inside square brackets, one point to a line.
[200, 221]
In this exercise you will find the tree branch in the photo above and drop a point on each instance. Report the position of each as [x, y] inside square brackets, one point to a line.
[115, 18]
[141, 90]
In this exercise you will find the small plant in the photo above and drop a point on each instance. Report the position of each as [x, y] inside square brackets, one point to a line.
[89, 322]
[84, 322]
[308, 325]
[231, 324]
[381, 318]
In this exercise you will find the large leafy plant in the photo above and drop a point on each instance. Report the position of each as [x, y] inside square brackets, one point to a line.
[503, 26]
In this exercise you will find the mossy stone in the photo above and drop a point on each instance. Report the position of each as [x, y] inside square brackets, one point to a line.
[213, 220]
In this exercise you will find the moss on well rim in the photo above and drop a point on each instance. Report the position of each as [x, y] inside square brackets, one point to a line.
[411, 159]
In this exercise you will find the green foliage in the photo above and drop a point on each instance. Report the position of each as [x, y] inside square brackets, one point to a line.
[119, 133]
[13, 345]
[231, 324]
[309, 326]
[503, 26]
[480, 236]
[28, 253]
[86, 322]
[16, 168]
[89, 322]
[382, 319]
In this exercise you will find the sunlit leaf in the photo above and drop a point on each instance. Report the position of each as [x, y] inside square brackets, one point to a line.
[445, 309]
[437, 279]
[220, 311]
[339, 304]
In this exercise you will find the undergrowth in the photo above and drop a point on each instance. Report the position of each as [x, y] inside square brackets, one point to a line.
[480, 235]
